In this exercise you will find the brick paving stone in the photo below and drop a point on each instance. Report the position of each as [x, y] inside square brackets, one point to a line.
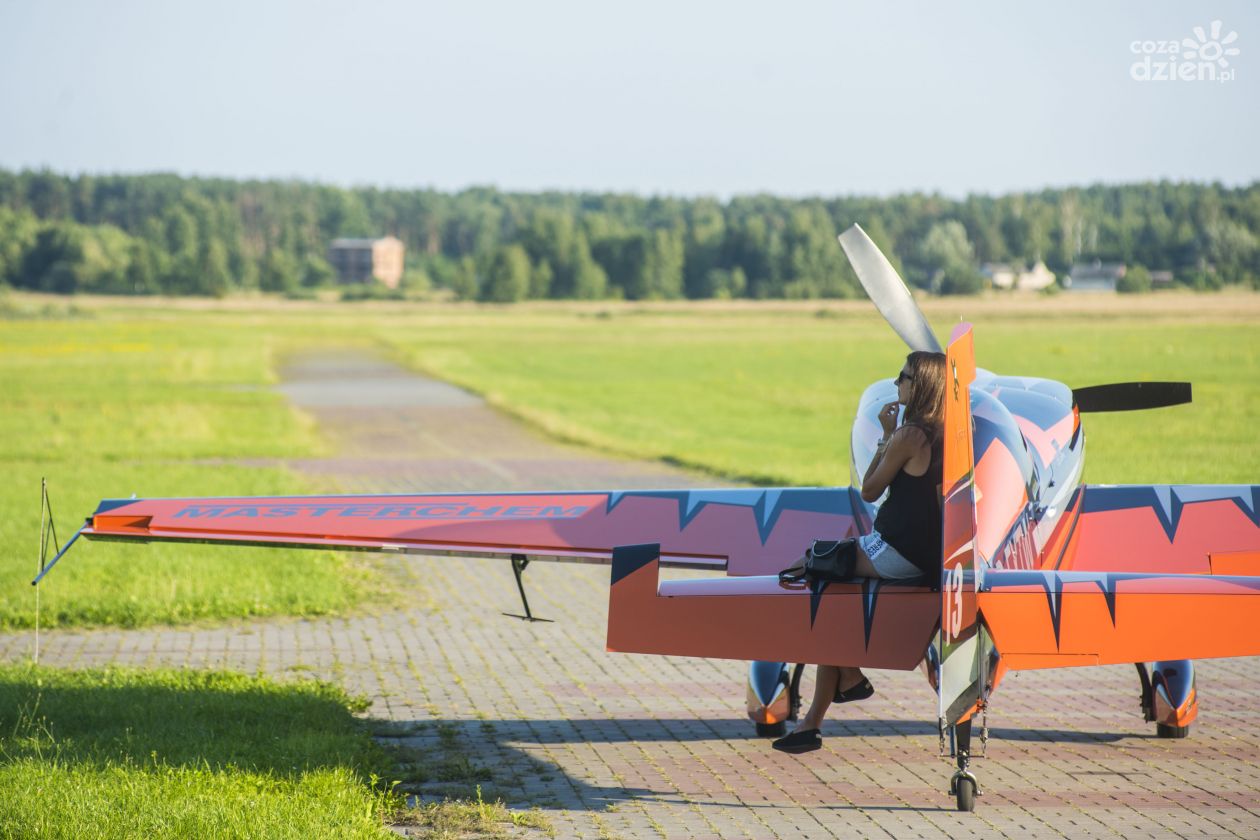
[616, 745]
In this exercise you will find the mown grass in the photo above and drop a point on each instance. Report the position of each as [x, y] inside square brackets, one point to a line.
[156, 406]
[117, 753]
[769, 395]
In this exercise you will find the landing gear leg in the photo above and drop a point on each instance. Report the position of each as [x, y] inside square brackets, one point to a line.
[1148, 693]
[794, 692]
[519, 562]
[963, 785]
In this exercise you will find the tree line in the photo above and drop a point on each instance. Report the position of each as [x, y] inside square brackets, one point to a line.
[161, 233]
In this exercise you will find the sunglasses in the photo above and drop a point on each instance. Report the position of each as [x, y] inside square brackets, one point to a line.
[903, 377]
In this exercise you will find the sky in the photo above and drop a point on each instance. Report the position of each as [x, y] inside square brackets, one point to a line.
[656, 98]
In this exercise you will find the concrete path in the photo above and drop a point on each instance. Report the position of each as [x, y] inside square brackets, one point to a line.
[615, 745]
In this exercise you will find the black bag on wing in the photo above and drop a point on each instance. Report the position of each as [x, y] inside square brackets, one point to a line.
[826, 560]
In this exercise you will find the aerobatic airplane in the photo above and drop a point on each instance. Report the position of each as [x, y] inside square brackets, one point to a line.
[1038, 570]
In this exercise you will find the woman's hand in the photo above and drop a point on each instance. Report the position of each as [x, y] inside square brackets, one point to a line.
[888, 417]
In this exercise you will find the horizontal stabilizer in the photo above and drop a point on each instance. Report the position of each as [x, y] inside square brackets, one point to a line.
[1131, 396]
[1045, 619]
[870, 623]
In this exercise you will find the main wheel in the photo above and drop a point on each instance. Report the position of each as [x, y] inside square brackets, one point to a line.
[965, 794]
[1163, 730]
[772, 730]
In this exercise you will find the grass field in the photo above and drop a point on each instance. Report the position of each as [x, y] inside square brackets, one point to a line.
[125, 753]
[768, 394]
[121, 404]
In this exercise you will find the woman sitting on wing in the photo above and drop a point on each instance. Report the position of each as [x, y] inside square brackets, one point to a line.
[906, 540]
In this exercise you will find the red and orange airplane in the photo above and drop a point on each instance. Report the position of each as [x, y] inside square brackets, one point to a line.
[1038, 570]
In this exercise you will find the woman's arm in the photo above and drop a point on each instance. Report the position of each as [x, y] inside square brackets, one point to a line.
[904, 444]
[880, 449]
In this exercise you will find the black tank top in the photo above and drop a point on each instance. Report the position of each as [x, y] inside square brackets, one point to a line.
[910, 518]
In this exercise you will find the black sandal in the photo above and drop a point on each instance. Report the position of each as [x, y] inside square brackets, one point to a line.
[800, 741]
[860, 691]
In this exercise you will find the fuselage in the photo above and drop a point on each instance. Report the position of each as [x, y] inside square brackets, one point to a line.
[1029, 452]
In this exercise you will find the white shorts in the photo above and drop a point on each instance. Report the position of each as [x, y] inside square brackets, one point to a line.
[886, 560]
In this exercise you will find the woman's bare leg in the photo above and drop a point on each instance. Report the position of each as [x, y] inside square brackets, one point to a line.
[850, 677]
[862, 565]
[831, 677]
[824, 691]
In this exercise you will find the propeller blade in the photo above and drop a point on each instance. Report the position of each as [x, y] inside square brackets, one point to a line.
[1131, 396]
[887, 290]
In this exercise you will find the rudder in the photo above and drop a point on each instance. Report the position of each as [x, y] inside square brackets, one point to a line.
[962, 643]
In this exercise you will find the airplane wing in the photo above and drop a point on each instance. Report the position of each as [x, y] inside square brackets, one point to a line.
[1169, 528]
[741, 531]
[1141, 573]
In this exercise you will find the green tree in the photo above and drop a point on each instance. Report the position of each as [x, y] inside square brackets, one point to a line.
[280, 272]
[213, 276]
[540, 280]
[590, 281]
[143, 273]
[1232, 249]
[815, 265]
[1135, 281]
[507, 279]
[181, 233]
[724, 284]
[625, 258]
[960, 279]
[416, 281]
[464, 280]
[664, 269]
[946, 244]
[549, 239]
[317, 272]
[706, 229]
[18, 230]
[67, 258]
[948, 260]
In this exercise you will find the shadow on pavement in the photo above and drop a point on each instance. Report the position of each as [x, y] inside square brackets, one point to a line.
[514, 759]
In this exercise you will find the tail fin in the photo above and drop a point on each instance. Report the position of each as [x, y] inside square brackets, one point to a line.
[962, 643]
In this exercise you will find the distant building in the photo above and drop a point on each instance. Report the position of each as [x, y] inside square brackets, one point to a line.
[362, 260]
[1004, 276]
[1094, 277]
[1161, 279]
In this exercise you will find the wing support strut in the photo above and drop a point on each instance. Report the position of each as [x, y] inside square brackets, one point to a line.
[48, 536]
[519, 564]
[45, 569]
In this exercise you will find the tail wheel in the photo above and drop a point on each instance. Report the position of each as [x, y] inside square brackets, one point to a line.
[965, 794]
[772, 730]
[1163, 730]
